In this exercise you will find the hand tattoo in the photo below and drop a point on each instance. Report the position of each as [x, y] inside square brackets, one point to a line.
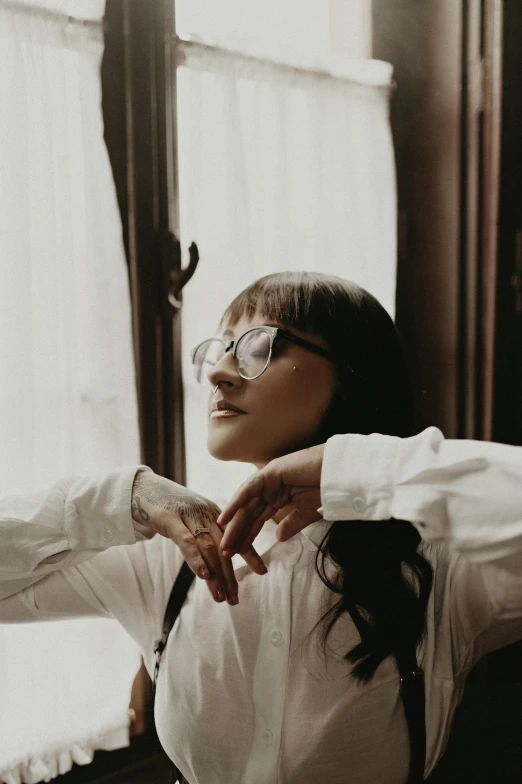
[172, 497]
[136, 508]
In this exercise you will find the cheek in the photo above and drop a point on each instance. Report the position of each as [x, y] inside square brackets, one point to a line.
[284, 415]
[298, 406]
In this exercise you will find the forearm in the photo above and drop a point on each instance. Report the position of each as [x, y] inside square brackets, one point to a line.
[468, 493]
[43, 531]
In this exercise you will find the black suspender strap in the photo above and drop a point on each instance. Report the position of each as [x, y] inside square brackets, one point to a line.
[412, 682]
[413, 698]
[178, 595]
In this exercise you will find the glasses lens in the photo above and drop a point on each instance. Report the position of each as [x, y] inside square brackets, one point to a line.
[252, 353]
[206, 356]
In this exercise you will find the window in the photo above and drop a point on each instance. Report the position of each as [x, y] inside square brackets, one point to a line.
[67, 395]
[285, 162]
[268, 156]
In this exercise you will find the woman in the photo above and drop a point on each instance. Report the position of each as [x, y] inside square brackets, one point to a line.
[260, 691]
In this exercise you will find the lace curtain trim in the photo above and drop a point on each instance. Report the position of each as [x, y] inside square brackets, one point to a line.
[58, 760]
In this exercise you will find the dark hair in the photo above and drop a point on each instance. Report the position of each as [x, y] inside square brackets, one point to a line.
[382, 580]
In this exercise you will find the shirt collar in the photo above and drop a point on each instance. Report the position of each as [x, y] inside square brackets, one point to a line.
[311, 537]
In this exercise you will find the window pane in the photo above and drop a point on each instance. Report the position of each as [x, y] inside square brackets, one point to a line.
[67, 378]
[273, 28]
[277, 173]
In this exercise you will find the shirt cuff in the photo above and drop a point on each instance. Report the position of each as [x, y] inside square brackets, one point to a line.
[356, 477]
[98, 511]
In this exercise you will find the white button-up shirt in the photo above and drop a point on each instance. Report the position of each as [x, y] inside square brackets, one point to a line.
[245, 695]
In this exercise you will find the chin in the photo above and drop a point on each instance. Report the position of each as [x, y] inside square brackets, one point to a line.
[228, 449]
[221, 450]
[246, 447]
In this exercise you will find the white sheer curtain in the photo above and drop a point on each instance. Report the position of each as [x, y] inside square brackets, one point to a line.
[67, 391]
[286, 162]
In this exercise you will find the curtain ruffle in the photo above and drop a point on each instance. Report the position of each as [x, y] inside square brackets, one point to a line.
[33, 768]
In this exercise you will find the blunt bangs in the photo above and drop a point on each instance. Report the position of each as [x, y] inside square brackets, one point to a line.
[305, 301]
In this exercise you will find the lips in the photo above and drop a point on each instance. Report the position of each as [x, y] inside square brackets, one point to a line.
[224, 406]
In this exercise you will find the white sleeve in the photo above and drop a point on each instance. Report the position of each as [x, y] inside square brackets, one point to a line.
[130, 584]
[70, 523]
[465, 499]
[467, 493]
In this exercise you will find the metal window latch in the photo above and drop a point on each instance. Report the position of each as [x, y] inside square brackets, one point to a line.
[177, 276]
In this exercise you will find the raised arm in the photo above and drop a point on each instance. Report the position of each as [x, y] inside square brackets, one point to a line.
[464, 495]
[468, 493]
[81, 516]
[77, 517]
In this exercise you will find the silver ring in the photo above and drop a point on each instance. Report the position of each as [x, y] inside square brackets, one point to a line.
[201, 531]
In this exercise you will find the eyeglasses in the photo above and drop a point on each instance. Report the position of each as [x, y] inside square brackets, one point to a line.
[252, 351]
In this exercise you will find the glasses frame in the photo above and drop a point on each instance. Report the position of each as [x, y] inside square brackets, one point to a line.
[273, 333]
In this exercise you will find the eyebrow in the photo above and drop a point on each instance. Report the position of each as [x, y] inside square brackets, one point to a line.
[229, 333]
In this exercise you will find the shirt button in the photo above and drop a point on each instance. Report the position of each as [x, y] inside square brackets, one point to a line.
[359, 504]
[276, 638]
[107, 535]
[267, 737]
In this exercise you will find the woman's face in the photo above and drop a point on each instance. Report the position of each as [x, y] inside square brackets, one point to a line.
[282, 409]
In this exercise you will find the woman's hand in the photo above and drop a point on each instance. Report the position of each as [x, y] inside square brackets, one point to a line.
[175, 512]
[287, 488]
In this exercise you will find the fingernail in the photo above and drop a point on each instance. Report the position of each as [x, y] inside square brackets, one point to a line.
[205, 573]
[220, 594]
[232, 598]
[262, 568]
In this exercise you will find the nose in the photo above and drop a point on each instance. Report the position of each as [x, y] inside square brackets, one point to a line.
[225, 371]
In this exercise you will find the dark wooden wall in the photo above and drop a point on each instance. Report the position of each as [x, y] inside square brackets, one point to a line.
[445, 283]
[507, 424]
[423, 42]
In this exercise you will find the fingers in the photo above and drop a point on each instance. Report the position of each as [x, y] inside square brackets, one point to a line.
[290, 525]
[187, 543]
[254, 560]
[245, 525]
[222, 582]
[247, 539]
[252, 489]
[203, 554]
[293, 522]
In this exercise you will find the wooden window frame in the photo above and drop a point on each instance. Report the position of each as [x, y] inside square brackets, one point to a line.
[140, 133]
[139, 108]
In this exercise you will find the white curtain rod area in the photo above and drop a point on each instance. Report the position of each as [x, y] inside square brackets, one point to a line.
[366, 73]
[50, 15]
